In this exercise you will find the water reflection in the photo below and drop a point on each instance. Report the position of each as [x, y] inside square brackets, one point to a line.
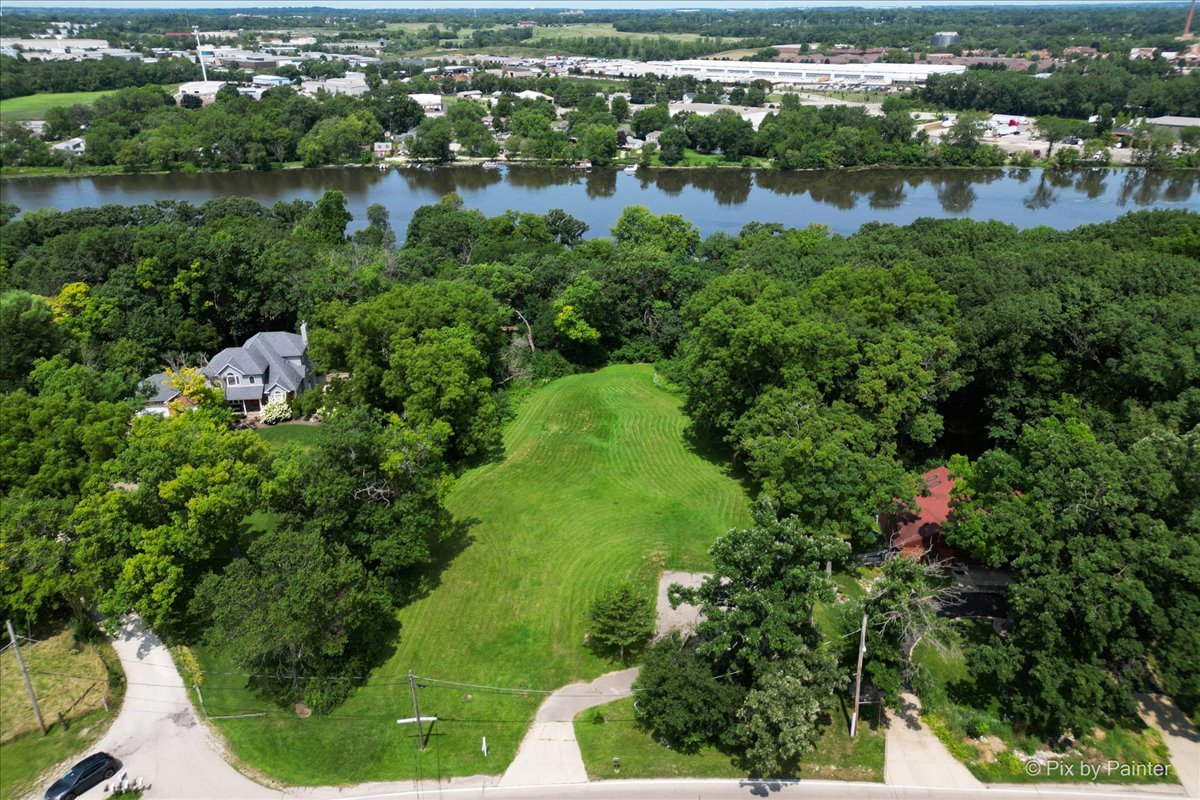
[1042, 195]
[715, 199]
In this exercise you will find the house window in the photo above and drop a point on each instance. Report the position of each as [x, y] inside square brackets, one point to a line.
[250, 379]
[231, 380]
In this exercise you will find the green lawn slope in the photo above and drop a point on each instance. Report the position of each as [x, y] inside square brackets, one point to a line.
[597, 486]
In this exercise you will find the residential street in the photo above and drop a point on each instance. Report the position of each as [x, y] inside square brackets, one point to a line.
[160, 739]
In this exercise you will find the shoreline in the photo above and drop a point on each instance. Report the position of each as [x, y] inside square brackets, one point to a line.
[96, 172]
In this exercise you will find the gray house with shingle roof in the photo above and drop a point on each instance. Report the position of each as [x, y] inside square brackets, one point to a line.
[160, 392]
[269, 366]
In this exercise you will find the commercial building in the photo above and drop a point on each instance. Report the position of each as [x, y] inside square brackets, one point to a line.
[1173, 123]
[754, 116]
[205, 90]
[943, 39]
[786, 74]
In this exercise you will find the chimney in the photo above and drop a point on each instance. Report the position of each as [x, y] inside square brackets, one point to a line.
[304, 332]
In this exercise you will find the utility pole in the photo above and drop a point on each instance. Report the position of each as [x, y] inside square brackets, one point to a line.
[412, 688]
[862, 649]
[37, 711]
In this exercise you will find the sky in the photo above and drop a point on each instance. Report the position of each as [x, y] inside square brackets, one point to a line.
[542, 4]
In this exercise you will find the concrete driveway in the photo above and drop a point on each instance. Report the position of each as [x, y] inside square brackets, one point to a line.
[915, 757]
[157, 734]
[549, 753]
[1180, 735]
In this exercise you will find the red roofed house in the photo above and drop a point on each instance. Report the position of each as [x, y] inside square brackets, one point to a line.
[917, 532]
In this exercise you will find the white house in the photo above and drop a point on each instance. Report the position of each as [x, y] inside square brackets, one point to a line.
[269, 366]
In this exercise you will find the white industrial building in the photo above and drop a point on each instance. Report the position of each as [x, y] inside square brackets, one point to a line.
[783, 73]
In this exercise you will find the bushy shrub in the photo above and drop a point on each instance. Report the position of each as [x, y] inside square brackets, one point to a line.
[278, 410]
[550, 364]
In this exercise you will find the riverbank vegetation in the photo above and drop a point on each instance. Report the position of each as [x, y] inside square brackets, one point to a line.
[492, 408]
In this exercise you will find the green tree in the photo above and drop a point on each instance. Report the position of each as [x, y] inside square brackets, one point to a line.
[671, 146]
[758, 603]
[328, 220]
[677, 696]
[621, 620]
[28, 330]
[781, 719]
[376, 489]
[669, 233]
[301, 614]
[167, 511]
[1105, 567]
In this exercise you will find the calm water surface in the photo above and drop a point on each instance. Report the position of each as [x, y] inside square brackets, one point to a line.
[715, 200]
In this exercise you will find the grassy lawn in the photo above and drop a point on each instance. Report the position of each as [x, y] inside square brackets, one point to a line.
[71, 706]
[691, 158]
[597, 487]
[298, 433]
[603, 29]
[35, 106]
[837, 757]
[972, 727]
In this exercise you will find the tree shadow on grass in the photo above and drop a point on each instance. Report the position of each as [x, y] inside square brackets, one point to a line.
[709, 446]
[441, 556]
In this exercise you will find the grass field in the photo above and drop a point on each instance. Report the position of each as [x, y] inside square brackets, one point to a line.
[297, 433]
[71, 706]
[35, 106]
[603, 29]
[597, 487]
[837, 756]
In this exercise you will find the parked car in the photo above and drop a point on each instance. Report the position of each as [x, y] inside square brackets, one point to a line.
[83, 776]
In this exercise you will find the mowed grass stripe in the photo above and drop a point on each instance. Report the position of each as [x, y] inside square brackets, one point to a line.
[597, 487]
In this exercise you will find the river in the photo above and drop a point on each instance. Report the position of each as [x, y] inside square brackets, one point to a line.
[714, 199]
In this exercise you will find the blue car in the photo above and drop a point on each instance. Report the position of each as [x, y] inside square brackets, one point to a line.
[83, 776]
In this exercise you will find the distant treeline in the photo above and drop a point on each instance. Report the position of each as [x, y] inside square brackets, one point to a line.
[1104, 87]
[24, 77]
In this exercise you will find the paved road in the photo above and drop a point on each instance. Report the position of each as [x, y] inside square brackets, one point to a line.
[549, 753]
[160, 739]
[748, 790]
[157, 733]
[915, 757]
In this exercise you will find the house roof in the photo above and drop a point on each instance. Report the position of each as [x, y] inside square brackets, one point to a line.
[241, 359]
[163, 392]
[266, 354]
[275, 347]
[245, 391]
[919, 530]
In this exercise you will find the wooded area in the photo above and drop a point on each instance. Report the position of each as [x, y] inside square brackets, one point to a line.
[1056, 372]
